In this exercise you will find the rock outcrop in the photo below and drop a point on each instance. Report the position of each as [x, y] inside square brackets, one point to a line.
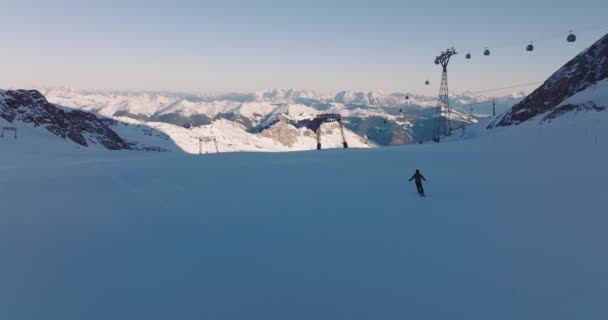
[84, 128]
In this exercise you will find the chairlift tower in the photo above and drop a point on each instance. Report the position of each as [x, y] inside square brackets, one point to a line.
[207, 139]
[328, 118]
[442, 116]
[8, 129]
[203, 139]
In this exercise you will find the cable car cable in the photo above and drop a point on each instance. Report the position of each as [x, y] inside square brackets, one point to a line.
[505, 88]
[552, 36]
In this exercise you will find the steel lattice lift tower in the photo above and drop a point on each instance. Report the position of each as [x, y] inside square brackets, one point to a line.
[442, 121]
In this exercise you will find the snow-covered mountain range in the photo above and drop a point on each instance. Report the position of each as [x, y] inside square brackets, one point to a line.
[146, 105]
[375, 117]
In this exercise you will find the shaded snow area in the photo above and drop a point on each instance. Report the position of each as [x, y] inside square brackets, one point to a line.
[596, 93]
[514, 227]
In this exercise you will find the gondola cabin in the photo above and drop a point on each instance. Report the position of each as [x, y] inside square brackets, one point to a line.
[530, 47]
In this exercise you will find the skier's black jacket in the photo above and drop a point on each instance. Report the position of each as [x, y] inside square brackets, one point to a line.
[418, 176]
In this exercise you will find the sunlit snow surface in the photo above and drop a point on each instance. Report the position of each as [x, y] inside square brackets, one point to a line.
[514, 227]
[232, 137]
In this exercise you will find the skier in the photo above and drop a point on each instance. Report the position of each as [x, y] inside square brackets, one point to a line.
[418, 177]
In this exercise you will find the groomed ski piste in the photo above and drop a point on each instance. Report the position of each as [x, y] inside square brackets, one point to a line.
[514, 227]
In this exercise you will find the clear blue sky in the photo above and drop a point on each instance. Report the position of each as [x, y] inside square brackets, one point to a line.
[210, 46]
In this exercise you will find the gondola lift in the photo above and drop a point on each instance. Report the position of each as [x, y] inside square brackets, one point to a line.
[530, 47]
[468, 56]
[571, 37]
[487, 52]
[427, 82]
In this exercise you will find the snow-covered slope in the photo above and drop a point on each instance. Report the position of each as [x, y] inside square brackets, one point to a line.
[513, 227]
[593, 98]
[232, 137]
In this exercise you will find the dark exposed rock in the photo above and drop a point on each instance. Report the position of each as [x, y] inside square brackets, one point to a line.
[178, 119]
[584, 70]
[31, 106]
[127, 114]
[379, 130]
[236, 118]
[557, 112]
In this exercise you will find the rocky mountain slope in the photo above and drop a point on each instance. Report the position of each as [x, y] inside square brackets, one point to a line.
[586, 71]
[81, 127]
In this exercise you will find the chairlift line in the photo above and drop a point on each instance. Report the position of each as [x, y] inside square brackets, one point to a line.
[570, 38]
[505, 88]
[437, 132]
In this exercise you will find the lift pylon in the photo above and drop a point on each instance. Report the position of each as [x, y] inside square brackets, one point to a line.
[207, 139]
[329, 118]
[442, 116]
[5, 129]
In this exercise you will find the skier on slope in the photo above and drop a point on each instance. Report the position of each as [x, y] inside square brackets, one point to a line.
[418, 177]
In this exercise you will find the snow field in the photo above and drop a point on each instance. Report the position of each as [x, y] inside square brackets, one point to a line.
[512, 228]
